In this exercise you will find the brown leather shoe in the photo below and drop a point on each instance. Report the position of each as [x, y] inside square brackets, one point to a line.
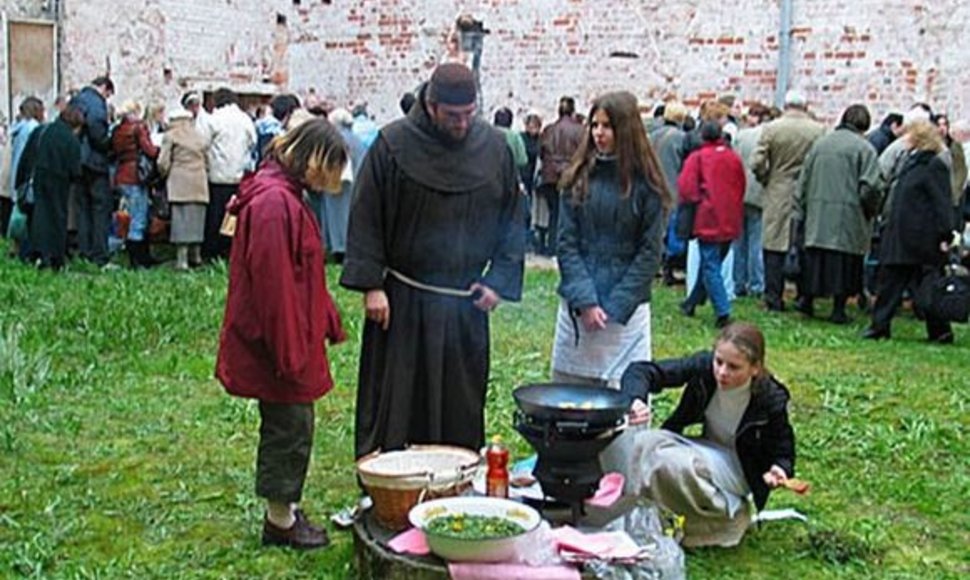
[300, 516]
[302, 535]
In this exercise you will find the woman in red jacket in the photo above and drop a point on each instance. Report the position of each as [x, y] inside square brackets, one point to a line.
[129, 141]
[713, 178]
[279, 316]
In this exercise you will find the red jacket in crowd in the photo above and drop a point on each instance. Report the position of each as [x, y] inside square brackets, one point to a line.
[279, 313]
[713, 177]
[128, 140]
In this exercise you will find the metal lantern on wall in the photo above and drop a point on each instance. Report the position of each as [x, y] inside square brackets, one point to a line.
[472, 37]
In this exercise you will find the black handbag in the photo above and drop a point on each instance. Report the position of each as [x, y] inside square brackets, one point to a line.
[945, 295]
[148, 173]
[25, 195]
[687, 211]
[791, 268]
[684, 226]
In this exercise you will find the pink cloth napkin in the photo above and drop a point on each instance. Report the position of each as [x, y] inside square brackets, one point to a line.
[410, 542]
[610, 490]
[605, 545]
[507, 571]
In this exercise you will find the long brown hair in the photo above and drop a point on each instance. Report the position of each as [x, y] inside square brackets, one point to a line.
[635, 156]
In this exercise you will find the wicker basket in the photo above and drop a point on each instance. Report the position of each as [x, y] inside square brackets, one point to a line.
[399, 480]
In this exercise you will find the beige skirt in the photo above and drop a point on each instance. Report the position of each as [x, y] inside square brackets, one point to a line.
[682, 476]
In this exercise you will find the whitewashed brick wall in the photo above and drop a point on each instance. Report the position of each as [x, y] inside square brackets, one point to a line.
[884, 53]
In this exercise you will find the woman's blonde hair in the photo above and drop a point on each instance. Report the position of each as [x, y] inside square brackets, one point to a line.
[714, 111]
[924, 136]
[130, 107]
[314, 145]
[298, 117]
[675, 112]
[155, 112]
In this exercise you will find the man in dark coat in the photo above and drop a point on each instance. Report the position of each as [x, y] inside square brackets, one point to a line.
[52, 159]
[93, 197]
[436, 240]
[887, 132]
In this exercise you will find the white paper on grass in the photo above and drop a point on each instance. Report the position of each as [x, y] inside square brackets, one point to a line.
[776, 515]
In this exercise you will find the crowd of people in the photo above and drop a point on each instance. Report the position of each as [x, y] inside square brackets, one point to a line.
[431, 216]
[773, 196]
[100, 177]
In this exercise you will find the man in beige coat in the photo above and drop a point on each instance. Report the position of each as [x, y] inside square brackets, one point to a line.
[777, 162]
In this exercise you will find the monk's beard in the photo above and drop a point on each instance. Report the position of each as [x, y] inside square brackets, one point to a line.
[446, 136]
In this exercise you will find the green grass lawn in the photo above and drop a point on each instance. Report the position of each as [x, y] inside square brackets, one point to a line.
[120, 456]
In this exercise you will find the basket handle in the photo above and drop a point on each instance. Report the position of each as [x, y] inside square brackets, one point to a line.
[427, 487]
[464, 470]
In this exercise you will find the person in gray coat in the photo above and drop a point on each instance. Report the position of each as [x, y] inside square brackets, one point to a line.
[749, 266]
[336, 204]
[668, 139]
[840, 195]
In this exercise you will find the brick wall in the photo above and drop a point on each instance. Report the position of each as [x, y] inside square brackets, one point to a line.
[886, 53]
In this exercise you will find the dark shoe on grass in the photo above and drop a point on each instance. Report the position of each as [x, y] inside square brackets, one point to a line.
[302, 535]
[945, 338]
[686, 309]
[723, 321]
[875, 334]
[774, 305]
[805, 307]
[839, 318]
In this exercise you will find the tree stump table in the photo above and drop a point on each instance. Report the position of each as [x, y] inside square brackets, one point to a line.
[376, 561]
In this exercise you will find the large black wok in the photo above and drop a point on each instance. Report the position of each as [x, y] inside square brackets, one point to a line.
[555, 402]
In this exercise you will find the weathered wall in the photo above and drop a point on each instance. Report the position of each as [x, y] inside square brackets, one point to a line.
[886, 53]
[17, 10]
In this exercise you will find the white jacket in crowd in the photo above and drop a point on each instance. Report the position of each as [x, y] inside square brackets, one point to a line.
[231, 136]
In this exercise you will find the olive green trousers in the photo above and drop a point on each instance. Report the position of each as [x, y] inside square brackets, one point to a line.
[283, 456]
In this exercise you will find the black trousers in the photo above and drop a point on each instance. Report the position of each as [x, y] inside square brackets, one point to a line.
[549, 192]
[214, 244]
[94, 204]
[893, 281]
[6, 208]
[285, 441]
[774, 276]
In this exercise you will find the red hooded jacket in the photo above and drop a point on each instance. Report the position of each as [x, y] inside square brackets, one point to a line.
[278, 312]
[713, 177]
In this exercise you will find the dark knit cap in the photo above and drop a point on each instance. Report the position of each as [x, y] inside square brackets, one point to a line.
[452, 84]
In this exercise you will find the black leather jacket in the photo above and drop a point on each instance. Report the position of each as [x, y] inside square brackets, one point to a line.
[764, 437]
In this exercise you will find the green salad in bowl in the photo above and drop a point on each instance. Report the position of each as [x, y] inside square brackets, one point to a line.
[474, 529]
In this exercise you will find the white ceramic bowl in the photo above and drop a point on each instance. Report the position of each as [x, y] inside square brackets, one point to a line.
[467, 550]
